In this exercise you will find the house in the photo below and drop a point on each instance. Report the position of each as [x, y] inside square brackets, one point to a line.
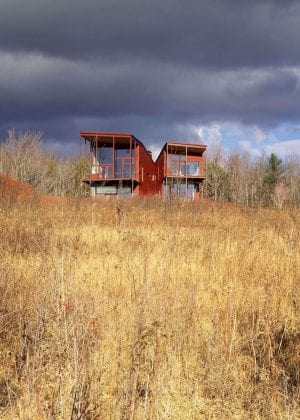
[121, 165]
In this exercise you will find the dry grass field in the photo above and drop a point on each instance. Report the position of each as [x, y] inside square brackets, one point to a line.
[148, 310]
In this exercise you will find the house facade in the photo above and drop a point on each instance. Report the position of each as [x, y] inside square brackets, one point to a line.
[120, 165]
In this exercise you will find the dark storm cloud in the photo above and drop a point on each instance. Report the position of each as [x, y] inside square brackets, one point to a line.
[139, 65]
[56, 89]
[194, 32]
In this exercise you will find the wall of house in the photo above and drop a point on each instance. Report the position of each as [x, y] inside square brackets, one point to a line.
[146, 173]
[160, 171]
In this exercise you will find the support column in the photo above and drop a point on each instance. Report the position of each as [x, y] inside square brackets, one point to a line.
[131, 165]
[186, 183]
[113, 158]
[96, 152]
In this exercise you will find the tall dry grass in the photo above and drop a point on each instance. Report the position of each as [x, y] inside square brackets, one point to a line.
[146, 310]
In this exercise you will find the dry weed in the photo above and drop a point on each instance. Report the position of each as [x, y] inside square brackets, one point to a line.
[144, 309]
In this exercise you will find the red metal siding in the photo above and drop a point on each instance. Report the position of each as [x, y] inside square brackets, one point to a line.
[161, 171]
[147, 172]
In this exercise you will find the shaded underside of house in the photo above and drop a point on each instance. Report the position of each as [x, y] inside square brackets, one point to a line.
[120, 165]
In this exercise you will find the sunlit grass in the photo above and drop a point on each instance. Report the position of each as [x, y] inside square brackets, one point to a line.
[145, 309]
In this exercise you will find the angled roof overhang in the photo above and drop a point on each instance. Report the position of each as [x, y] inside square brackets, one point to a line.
[182, 148]
[176, 146]
[107, 137]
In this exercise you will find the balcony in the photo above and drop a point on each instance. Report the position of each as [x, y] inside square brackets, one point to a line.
[112, 160]
[178, 166]
[123, 168]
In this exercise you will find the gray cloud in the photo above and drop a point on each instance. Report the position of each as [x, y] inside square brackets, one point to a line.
[147, 66]
[207, 32]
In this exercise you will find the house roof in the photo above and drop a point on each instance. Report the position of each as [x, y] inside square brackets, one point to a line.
[177, 146]
[88, 135]
[191, 146]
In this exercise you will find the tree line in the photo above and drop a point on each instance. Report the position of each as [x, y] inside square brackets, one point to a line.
[242, 178]
[235, 176]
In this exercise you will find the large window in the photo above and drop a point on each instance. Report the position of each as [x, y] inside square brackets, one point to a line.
[124, 168]
[111, 190]
[99, 189]
[180, 190]
[124, 191]
[105, 155]
[124, 153]
[179, 166]
[192, 168]
[110, 163]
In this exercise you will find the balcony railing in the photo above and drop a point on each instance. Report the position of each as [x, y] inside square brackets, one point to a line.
[123, 169]
[182, 168]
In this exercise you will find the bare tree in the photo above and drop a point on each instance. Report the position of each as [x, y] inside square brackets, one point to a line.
[22, 157]
[218, 183]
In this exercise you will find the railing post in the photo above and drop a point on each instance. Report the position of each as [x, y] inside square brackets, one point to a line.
[113, 160]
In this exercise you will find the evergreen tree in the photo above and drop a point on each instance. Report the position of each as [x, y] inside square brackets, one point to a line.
[274, 171]
[273, 176]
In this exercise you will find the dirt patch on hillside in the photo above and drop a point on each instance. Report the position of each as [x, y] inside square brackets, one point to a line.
[15, 191]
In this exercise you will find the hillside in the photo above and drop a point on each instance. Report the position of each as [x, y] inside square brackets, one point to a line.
[15, 191]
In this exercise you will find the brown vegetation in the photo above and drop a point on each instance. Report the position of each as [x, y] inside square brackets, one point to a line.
[13, 191]
[142, 309]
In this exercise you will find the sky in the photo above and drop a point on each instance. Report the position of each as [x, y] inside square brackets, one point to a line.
[210, 71]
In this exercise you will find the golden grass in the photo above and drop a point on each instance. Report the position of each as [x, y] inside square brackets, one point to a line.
[146, 310]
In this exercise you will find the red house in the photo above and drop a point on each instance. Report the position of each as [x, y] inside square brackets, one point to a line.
[121, 165]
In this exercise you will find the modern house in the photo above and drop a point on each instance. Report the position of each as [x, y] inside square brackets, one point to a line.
[121, 165]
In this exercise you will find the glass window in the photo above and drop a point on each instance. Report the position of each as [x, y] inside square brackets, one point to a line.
[178, 168]
[109, 172]
[126, 170]
[102, 172]
[121, 153]
[123, 169]
[124, 153]
[133, 171]
[182, 168]
[118, 168]
[124, 191]
[181, 190]
[175, 168]
[193, 168]
[106, 190]
[105, 155]
[190, 191]
[175, 158]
